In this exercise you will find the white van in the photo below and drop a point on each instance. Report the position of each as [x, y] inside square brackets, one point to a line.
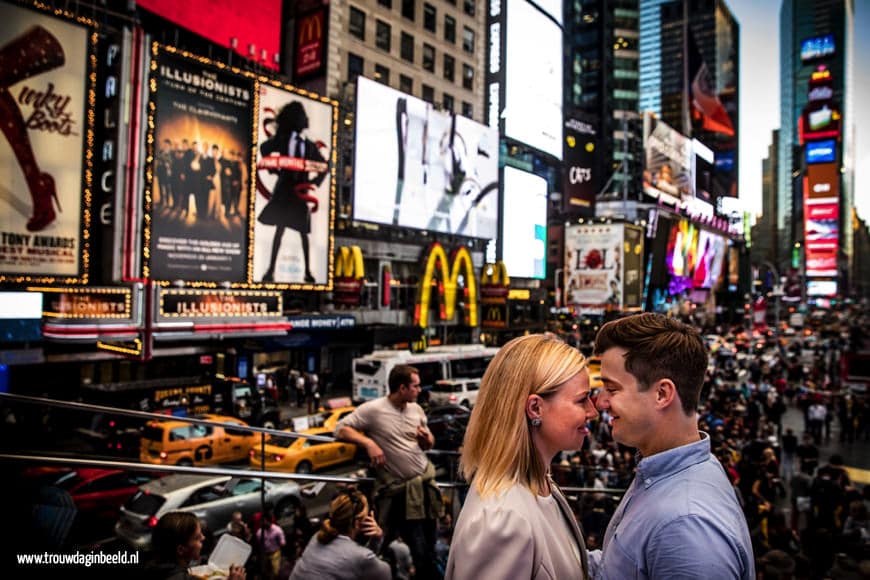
[455, 391]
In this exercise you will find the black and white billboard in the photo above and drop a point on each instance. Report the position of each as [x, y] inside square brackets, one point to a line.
[421, 168]
[533, 76]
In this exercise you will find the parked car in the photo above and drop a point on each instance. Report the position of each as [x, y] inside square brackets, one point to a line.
[180, 443]
[212, 499]
[302, 455]
[98, 494]
[447, 424]
[455, 391]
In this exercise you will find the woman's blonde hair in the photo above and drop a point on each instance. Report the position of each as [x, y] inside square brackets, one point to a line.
[344, 511]
[498, 450]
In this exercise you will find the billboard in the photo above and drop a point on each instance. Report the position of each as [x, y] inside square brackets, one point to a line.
[197, 201]
[594, 266]
[46, 161]
[580, 179]
[523, 236]
[822, 181]
[822, 288]
[310, 41]
[707, 271]
[448, 270]
[821, 116]
[420, 168]
[293, 203]
[237, 25]
[817, 47]
[821, 151]
[533, 76]
[668, 166]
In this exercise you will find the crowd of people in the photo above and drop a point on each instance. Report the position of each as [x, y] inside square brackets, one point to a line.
[680, 466]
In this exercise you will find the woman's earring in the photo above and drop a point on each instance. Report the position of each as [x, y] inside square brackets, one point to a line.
[536, 422]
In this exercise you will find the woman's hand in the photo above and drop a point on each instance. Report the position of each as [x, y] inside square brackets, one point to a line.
[369, 526]
[236, 573]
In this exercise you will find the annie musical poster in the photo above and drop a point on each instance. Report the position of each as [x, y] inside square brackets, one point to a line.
[44, 88]
[198, 195]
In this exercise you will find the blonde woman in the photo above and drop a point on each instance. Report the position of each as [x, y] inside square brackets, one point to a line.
[515, 523]
[333, 553]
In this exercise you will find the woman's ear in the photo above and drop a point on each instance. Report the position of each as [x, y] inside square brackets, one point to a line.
[533, 407]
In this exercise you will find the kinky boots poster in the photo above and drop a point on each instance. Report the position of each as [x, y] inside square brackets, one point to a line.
[201, 151]
[45, 93]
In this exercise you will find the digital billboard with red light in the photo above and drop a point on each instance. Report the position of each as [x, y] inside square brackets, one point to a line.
[253, 23]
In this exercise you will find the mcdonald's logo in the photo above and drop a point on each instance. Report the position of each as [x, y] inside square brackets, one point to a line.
[349, 263]
[447, 287]
[494, 283]
[310, 29]
[495, 316]
[309, 43]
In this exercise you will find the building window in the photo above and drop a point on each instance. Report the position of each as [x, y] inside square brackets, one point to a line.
[408, 9]
[449, 67]
[448, 102]
[383, 33]
[449, 29]
[428, 94]
[467, 77]
[407, 48]
[406, 84]
[467, 39]
[429, 17]
[357, 23]
[354, 67]
[468, 7]
[382, 74]
[386, 3]
[467, 110]
[429, 57]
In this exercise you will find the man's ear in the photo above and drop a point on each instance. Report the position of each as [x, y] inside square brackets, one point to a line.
[666, 393]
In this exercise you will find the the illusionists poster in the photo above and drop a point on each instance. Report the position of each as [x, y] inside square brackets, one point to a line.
[44, 87]
[201, 165]
[293, 199]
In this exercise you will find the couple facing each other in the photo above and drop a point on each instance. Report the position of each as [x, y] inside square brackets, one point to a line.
[679, 518]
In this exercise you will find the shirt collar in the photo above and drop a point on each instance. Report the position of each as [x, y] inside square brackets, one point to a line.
[655, 467]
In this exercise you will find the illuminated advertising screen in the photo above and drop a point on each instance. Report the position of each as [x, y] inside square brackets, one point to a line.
[202, 117]
[46, 113]
[293, 199]
[821, 117]
[421, 168]
[580, 179]
[817, 47]
[667, 172]
[254, 23]
[822, 181]
[594, 265]
[681, 249]
[821, 151]
[524, 227]
[822, 288]
[710, 258]
[533, 77]
[822, 221]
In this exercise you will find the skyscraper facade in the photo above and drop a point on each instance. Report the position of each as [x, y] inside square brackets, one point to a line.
[602, 55]
[816, 58]
[650, 98]
[700, 40]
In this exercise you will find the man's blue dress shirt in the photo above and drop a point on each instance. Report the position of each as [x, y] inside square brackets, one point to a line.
[680, 518]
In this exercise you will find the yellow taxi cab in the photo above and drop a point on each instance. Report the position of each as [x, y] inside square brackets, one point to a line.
[179, 443]
[333, 411]
[302, 455]
[595, 374]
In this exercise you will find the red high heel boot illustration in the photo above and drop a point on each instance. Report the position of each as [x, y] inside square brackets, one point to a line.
[32, 52]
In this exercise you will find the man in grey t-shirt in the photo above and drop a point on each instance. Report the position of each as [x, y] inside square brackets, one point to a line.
[393, 431]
